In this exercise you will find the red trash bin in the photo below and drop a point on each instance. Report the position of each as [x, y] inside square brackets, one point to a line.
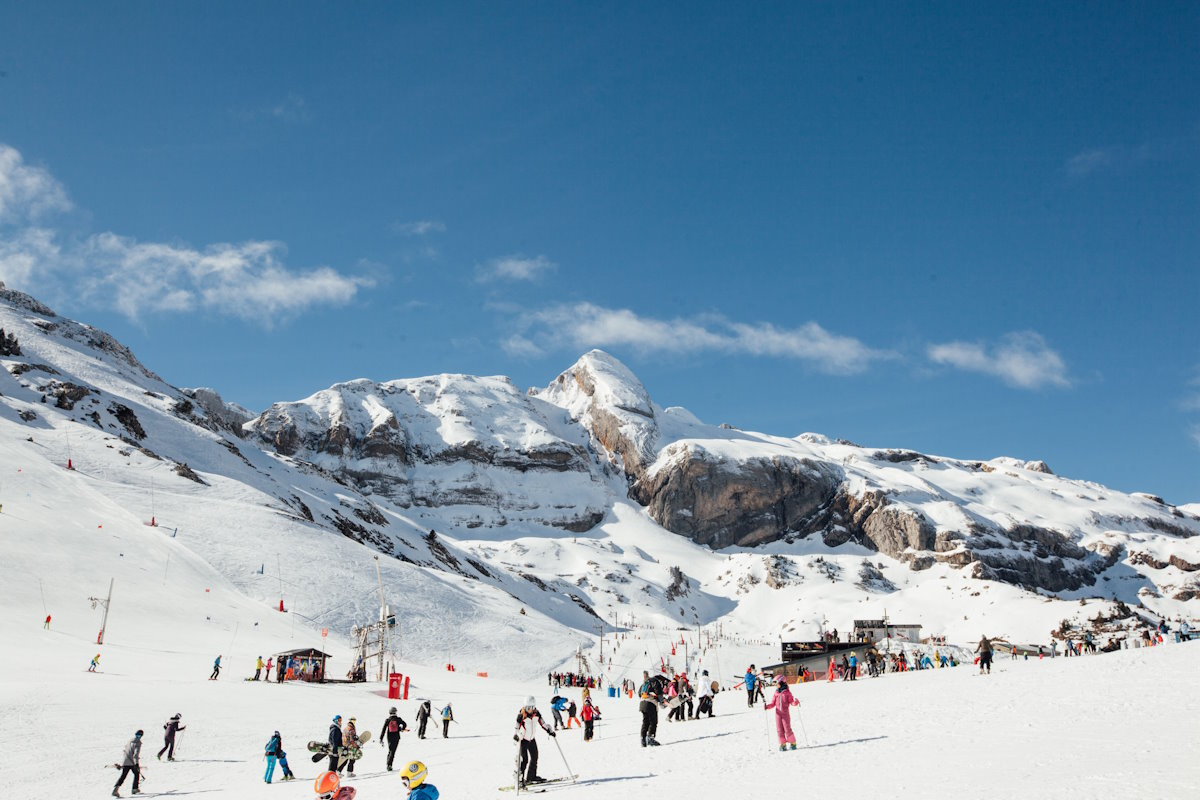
[394, 686]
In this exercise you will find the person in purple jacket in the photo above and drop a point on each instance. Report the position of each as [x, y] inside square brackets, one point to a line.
[782, 703]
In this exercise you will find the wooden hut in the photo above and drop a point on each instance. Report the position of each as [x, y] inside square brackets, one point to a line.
[305, 664]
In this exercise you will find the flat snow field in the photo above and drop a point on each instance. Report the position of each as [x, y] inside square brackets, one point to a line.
[1121, 725]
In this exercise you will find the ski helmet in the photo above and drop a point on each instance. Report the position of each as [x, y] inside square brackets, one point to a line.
[781, 680]
[530, 702]
[337, 717]
[414, 774]
[327, 785]
[392, 710]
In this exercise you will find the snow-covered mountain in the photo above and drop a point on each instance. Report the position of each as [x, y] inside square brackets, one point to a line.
[543, 513]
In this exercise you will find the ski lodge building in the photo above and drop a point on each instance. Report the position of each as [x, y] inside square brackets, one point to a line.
[874, 630]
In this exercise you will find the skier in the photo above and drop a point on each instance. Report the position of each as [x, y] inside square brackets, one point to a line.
[267, 677]
[95, 663]
[258, 668]
[392, 726]
[130, 763]
[274, 752]
[172, 727]
[782, 703]
[423, 715]
[706, 696]
[985, 655]
[557, 704]
[572, 710]
[528, 720]
[349, 739]
[749, 682]
[447, 718]
[216, 669]
[649, 708]
[413, 776]
[328, 786]
[590, 714]
[335, 743]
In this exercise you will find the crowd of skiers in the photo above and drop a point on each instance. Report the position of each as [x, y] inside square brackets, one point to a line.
[560, 679]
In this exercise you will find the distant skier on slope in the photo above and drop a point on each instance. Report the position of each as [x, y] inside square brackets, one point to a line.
[216, 669]
[782, 703]
[172, 726]
[985, 655]
[95, 663]
[528, 720]
[392, 726]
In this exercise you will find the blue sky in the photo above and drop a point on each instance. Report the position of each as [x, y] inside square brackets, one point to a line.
[969, 231]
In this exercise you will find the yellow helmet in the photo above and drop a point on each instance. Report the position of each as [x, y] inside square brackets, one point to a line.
[327, 785]
[414, 774]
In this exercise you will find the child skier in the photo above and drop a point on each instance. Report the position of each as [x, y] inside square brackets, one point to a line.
[528, 720]
[392, 726]
[172, 727]
[328, 786]
[414, 778]
[572, 710]
[216, 669]
[274, 753]
[95, 663]
[782, 702]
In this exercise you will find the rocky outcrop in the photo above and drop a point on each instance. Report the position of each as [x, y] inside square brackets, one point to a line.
[720, 503]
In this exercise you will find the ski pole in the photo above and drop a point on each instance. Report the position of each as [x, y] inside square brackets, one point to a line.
[564, 758]
[768, 718]
[800, 719]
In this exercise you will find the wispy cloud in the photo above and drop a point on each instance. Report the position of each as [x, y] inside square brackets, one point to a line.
[514, 268]
[1191, 404]
[249, 280]
[1090, 161]
[418, 228]
[1121, 157]
[291, 108]
[584, 325]
[1021, 359]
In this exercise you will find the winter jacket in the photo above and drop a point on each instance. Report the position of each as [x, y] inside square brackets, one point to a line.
[985, 646]
[425, 791]
[423, 712]
[751, 679]
[559, 703]
[335, 735]
[781, 701]
[171, 728]
[275, 747]
[350, 735]
[447, 713]
[527, 722]
[393, 721]
[705, 687]
[133, 752]
[589, 712]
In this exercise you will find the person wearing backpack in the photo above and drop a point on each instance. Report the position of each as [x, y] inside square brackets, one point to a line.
[274, 753]
[558, 704]
[447, 718]
[392, 726]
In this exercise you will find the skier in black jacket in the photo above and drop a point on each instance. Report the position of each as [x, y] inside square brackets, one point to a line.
[172, 727]
[423, 714]
[335, 742]
[391, 728]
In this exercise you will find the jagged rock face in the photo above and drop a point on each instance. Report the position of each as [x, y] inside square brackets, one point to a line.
[718, 504]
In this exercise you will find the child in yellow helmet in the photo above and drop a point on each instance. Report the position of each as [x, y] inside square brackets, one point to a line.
[414, 776]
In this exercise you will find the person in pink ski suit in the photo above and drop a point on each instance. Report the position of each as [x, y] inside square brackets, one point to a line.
[782, 703]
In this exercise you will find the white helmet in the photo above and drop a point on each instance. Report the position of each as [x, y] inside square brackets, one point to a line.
[530, 702]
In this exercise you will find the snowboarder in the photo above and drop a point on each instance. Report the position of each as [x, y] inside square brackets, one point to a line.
[528, 720]
[258, 668]
[131, 763]
[274, 753]
[649, 708]
[95, 663]
[349, 739]
[590, 714]
[447, 718]
[414, 776]
[557, 704]
[172, 726]
[216, 669]
[423, 715]
[392, 726]
[985, 655]
[749, 681]
[782, 703]
[335, 744]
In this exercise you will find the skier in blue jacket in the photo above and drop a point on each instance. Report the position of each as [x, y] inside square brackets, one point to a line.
[750, 679]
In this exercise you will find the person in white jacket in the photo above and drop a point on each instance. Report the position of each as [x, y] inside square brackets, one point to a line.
[706, 695]
[131, 763]
[528, 720]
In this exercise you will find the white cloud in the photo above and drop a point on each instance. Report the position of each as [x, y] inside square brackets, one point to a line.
[1021, 359]
[515, 268]
[418, 228]
[1089, 161]
[583, 325]
[248, 280]
[27, 192]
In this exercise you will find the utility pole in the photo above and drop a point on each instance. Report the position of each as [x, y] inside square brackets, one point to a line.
[600, 626]
[386, 632]
[96, 601]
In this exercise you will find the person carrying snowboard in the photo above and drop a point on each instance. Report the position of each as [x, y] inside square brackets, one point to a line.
[392, 726]
[95, 663]
[335, 743]
[131, 762]
[274, 753]
[782, 703]
[415, 778]
[172, 727]
[349, 739]
[706, 696]
[649, 708]
[216, 669]
[447, 718]
[528, 720]
[423, 715]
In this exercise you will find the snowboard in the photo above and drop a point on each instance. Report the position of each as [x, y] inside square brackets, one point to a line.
[716, 687]
[347, 752]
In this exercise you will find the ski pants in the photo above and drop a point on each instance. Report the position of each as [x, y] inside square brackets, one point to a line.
[287, 771]
[393, 743]
[216, 672]
[690, 707]
[125, 770]
[749, 697]
[336, 764]
[705, 707]
[558, 723]
[445, 729]
[168, 747]
[587, 731]
[270, 768]
[257, 673]
[529, 753]
[649, 718]
[783, 726]
[422, 722]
